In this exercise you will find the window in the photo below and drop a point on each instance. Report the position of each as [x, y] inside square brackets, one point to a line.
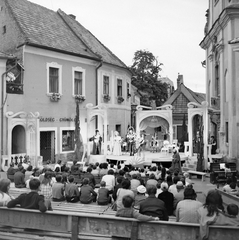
[128, 93]
[54, 78]
[78, 79]
[4, 29]
[106, 84]
[119, 87]
[217, 81]
[227, 132]
[68, 143]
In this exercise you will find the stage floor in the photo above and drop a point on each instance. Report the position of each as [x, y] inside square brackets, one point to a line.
[150, 157]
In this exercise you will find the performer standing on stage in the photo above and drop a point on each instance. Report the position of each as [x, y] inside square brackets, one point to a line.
[131, 137]
[117, 144]
[142, 143]
[97, 139]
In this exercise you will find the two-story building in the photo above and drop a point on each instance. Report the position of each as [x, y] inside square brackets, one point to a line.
[221, 44]
[58, 61]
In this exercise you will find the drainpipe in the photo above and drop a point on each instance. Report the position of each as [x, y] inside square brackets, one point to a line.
[96, 90]
[2, 105]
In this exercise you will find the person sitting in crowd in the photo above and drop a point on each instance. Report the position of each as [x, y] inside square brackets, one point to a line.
[187, 180]
[134, 183]
[153, 206]
[128, 211]
[117, 186]
[109, 179]
[125, 190]
[90, 176]
[187, 209]
[159, 190]
[87, 193]
[4, 192]
[71, 190]
[46, 186]
[28, 172]
[169, 180]
[58, 190]
[19, 178]
[167, 197]
[173, 188]
[103, 169]
[152, 180]
[25, 164]
[140, 196]
[232, 210]
[31, 200]
[95, 171]
[180, 193]
[212, 212]
[104, 197]
[226, 187]
[233, 191]
[57, 165]
[10, 172]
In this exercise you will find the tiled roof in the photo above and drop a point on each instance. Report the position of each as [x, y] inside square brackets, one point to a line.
[56, 30]
[91, 41]
[199, 97]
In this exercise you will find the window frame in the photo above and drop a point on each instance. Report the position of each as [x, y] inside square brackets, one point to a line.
[82, 70]
[61, 135]
[103, 87]
[59, 67]
[119, 79]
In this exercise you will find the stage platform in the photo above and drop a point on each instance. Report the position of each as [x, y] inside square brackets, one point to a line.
[150, 157]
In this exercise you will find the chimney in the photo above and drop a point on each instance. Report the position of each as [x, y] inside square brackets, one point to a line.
[179, 80]
[72, 16]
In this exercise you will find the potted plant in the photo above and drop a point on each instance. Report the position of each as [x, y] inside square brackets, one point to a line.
[120, 99]
[54, 97]
[79, 98]
[106, 97]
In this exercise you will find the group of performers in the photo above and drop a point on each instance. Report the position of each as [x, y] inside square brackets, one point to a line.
[131, 143]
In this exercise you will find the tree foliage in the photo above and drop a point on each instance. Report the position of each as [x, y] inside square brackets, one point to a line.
[146, 75]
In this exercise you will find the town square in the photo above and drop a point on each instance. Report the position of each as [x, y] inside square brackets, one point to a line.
[119, 119]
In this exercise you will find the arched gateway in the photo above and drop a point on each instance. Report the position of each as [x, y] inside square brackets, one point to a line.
[157, 117]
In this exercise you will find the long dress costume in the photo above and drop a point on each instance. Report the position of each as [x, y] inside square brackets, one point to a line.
[117, 146]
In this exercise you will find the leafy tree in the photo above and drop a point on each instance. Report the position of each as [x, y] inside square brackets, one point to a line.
[146, 75]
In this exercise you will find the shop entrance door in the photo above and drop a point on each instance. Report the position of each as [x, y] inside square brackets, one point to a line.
[47, 146]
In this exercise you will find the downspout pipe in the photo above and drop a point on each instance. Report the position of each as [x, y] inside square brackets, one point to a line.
[96, 90]
[2, 105]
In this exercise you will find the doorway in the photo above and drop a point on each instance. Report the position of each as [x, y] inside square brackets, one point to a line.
[18, 140]
[47, 146]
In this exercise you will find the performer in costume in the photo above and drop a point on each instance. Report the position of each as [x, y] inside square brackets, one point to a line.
[97, 139]
[131, 140]
[117, 144]
[142, 143]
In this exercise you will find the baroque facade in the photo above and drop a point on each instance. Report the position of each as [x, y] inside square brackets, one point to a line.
[221, 44]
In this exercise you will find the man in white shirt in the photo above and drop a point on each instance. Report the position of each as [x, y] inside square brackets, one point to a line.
[109, 179]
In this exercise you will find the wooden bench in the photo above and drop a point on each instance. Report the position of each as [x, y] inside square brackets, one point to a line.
[203, 174]
[228, 198]
[19, 224]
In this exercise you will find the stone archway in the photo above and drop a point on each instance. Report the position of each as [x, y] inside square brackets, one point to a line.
[92, 111]
[164, 112]
[202, 110]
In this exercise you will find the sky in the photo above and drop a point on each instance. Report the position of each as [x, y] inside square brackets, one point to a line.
[170, 29]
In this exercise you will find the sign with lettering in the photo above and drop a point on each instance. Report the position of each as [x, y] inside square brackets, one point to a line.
[52, 119]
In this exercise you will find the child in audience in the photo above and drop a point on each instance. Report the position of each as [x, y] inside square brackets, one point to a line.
[232, 210]
[71, 190]
[31, 200]
[128, 212]
[87, 193]
[58, 190]
[46, 187]
[233, 189]
[104, 197]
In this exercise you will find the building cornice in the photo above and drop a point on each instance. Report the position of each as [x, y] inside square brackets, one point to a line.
[226, 15]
